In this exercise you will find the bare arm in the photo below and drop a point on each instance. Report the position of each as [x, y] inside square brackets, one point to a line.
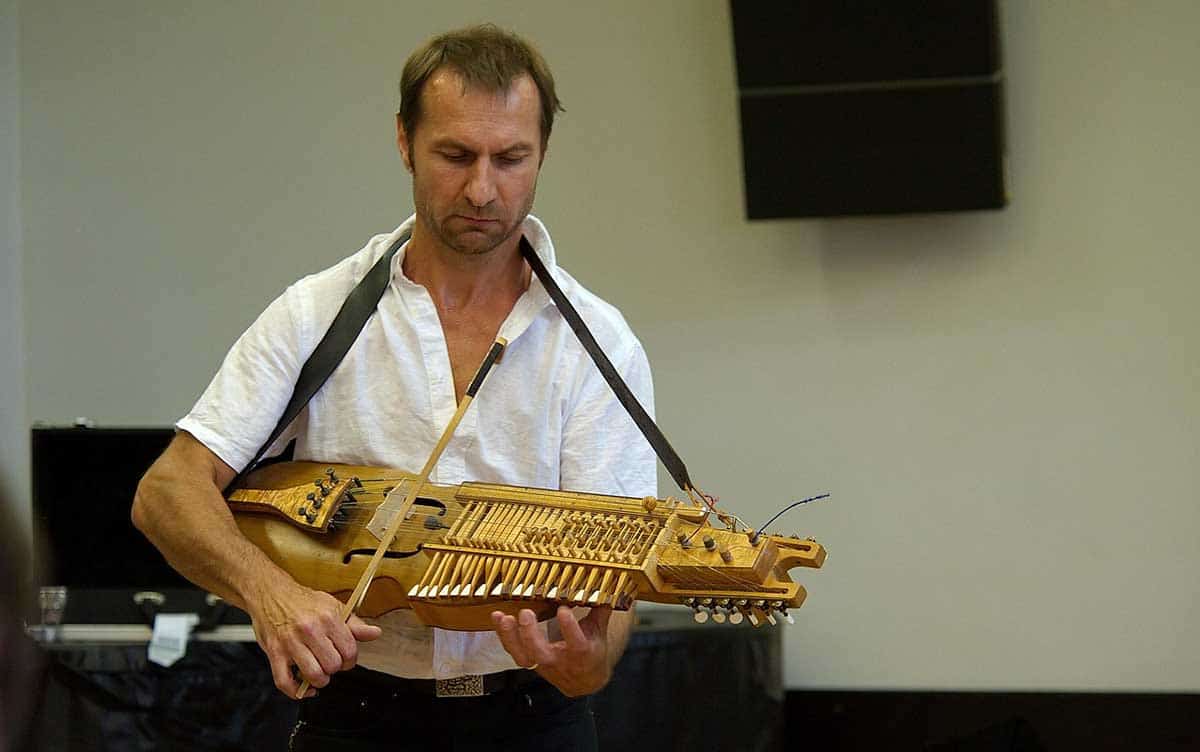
[179, 507]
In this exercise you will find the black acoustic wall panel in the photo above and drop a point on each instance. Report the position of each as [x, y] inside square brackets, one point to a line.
[853, 107]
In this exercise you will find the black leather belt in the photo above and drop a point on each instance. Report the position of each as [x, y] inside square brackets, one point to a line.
[473, 685]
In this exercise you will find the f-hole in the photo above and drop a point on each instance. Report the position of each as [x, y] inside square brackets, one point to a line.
[420, 501]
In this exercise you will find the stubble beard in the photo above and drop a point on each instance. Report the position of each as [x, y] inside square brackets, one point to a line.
[457, 241]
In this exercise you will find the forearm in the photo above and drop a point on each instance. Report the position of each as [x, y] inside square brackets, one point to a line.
[179, 508]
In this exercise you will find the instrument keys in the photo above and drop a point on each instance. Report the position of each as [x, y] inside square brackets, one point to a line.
[709, 543]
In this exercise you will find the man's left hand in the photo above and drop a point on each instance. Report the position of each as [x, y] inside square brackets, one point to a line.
[578, 664]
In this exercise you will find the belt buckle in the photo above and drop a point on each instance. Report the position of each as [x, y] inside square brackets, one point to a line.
[470, 685]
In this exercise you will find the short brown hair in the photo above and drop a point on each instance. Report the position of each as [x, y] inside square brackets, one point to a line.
[487, 57]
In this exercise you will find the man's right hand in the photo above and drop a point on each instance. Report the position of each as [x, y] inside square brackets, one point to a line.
[180, 508]
[296, 626]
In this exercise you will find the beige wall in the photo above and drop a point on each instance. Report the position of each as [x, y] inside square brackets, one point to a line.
[14, 423]
[1003, 403]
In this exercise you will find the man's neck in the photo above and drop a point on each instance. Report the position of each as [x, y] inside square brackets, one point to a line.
[458, 280]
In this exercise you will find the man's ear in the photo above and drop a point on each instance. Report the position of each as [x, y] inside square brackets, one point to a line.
[402, 143]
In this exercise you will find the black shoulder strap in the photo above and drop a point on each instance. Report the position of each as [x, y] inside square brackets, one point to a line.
[346, 326]
[670, 459]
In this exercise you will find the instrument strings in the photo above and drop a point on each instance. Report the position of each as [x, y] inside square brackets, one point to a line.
[356, 511]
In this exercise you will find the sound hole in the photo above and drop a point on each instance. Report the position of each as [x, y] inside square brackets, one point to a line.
[421, 501]
[371, 552]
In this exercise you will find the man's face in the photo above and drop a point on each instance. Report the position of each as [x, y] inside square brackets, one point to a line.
[474, 158]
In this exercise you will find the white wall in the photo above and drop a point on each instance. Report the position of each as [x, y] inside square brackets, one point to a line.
[1003, 403]
[14, 424]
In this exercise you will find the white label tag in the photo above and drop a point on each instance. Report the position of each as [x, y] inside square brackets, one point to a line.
[168, 643]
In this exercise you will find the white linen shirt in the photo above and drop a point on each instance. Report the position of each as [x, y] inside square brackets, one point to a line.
[544, 417]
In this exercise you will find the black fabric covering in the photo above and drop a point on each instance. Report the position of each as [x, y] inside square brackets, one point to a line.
[219, 697]
[679, 686]
[694, 687]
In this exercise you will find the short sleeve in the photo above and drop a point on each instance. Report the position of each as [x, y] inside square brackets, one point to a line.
[247, 396]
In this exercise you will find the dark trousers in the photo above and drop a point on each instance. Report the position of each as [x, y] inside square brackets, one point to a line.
[365, 711]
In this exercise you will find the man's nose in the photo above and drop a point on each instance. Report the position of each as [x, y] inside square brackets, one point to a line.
[481, 185]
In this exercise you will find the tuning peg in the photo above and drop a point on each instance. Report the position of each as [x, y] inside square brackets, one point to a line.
[332, 477]
[723, 611]
[779, 608]
[761, 607]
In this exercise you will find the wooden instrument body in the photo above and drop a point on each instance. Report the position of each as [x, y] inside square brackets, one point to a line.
[468, 550]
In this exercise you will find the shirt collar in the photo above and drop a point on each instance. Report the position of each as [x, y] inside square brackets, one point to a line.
[531, 227]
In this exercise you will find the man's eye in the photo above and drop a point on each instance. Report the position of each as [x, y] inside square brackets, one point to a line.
[455, 157]
[510, 159]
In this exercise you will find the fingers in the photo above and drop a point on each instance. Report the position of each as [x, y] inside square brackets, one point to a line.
[310, 667]
[333, 648]
[285, 674]
[580, 634]
[533, 638]
[362, 631]
[599, 617]
[281, 672]
[522, 638]
[506, 630]
[304, 629]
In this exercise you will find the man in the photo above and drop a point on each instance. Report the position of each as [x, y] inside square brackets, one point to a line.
[477, 106]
